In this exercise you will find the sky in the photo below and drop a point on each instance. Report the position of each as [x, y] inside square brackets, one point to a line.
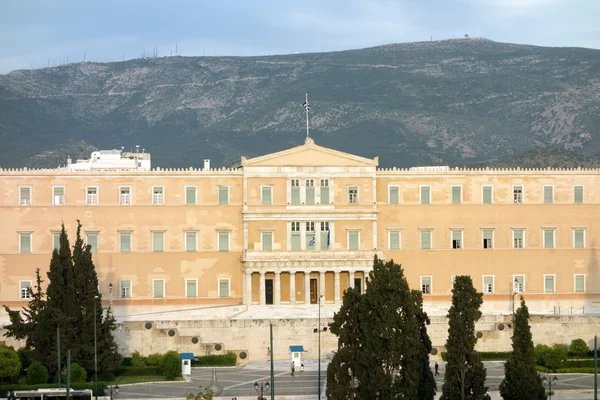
[38, 33]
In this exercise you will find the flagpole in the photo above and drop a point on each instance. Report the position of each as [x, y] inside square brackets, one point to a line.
[306, 116]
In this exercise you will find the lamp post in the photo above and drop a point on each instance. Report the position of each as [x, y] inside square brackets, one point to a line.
[515, 292]
[111, 391]
[318, 330]
[261, 388]
[95, 352]
[110, 286]
[551, 380]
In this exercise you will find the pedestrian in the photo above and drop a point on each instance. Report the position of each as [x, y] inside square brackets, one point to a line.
[293, 368]
[301, 369]
[436, 368]
[268, 354]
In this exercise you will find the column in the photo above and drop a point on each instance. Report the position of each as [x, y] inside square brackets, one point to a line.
[248, 288]
[292, 288]
[351, 279]
[277, 289]
[262, 299]
[336, 288]
[322, 285]
[306, 287]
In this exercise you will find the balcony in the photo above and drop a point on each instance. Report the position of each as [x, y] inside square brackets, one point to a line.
[325, 258]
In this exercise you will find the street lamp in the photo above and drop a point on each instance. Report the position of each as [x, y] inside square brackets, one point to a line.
[515, 292]
[551, 380]
[319, 354]
[112, 391]
[110, 286]
[95, 352]
[261, 388]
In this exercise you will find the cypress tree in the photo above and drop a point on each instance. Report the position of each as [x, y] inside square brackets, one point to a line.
[109, 359]
[427, 385]
[465, 374]
[521, 380]
[23, 323]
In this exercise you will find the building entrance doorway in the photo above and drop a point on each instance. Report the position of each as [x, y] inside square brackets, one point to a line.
[268, 291]
[313, 291]
[358, 284]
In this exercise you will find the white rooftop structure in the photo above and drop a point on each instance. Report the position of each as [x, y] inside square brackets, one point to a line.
[112, 159]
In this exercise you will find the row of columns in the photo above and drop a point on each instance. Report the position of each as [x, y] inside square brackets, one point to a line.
[277, 286]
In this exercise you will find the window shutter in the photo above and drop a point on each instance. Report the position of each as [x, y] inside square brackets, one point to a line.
[223, 288]
[25, 243]
[456, 235]
[426, 281]
[394, 240]
[426, 239]
[266, 195]
[324, 194]
[487, 234]
[393, 195]
[158, 289]
[579, 238]
[223, 241]
[295, 241]
[425, 195]
[223, 195]
[324, 237]
[353, 240]
[548, 194]
[487, 195]
[521, 282]
[456, 194]
[267, 241]
[579, 283]
[549, 284]
[92, 240]
[190, 195]
[125, 289]
[518, 234]
[56, 241]
[157, 241]
[191, 288]
[190, 241]
[125, 242]
[548, 238]
[578, 194]
[25, 196]
[310, 195]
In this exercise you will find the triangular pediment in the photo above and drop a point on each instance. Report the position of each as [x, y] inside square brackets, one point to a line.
[310, 155]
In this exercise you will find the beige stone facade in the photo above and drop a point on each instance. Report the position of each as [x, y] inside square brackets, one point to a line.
[286, 227]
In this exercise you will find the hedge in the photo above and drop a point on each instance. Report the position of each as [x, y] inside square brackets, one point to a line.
[215, 360]
[139, 371]
[76, 386]
[486, 355]
[539, 368]
[586, 363]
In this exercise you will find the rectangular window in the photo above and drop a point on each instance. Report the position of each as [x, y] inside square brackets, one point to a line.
[425, 194]
[578, 194]
[158, 241]
[324, 191]
[488, 238]
[548, 194]
[158, 288]
[310, 191]
[457, 239]
[579, 283]
[24, 243]
[266, 194]
[223, 195]
[223, 241]
[92, 196]
[25, 196]
[353, 240]
[518, 194]
[295, 236]
[158, 198]
[190, 195]
[58, 196]
[353, 195]
[92, 241]
[425, 240]
[267, 241]
[548, 238]
[519, 284]
[325, 238]
[549, 283]
[487, 194]
[456, 194]
[25, 289]
[518, 238]
[578, 238]
[488, 284]
[394, 240]
[393, 195]
[295, 191]
[56, 240]
[191, 288]
[426, 284]
[191, 241]
[125, 240]
[125, 289]
[311, 239]
[223, 287]
[125, 196]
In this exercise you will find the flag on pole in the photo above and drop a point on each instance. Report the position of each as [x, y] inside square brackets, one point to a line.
[312, 241]
[306, 105]
[328, 238]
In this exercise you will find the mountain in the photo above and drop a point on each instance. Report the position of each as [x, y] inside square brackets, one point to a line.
[441, 102]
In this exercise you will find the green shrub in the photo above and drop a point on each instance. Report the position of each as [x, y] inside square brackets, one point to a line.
[76, 386]
[25, 355]
[78, 373]
[494, 355]
[170, 365]
[139, 371]
[10, 365]
[585, 363]
[126, 362]
[578, 348]
[556, 357]
[154, 359]
[216, 360]
[137, 360]
[36, 374]
[541, 352]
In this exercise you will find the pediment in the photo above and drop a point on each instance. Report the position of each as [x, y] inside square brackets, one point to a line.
[310, 155]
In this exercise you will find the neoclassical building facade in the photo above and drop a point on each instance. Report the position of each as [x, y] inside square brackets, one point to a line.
[302, 225]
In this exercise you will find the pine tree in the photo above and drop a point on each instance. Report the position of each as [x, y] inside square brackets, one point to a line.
[465, 374]
[521, 380]
[427, 385]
